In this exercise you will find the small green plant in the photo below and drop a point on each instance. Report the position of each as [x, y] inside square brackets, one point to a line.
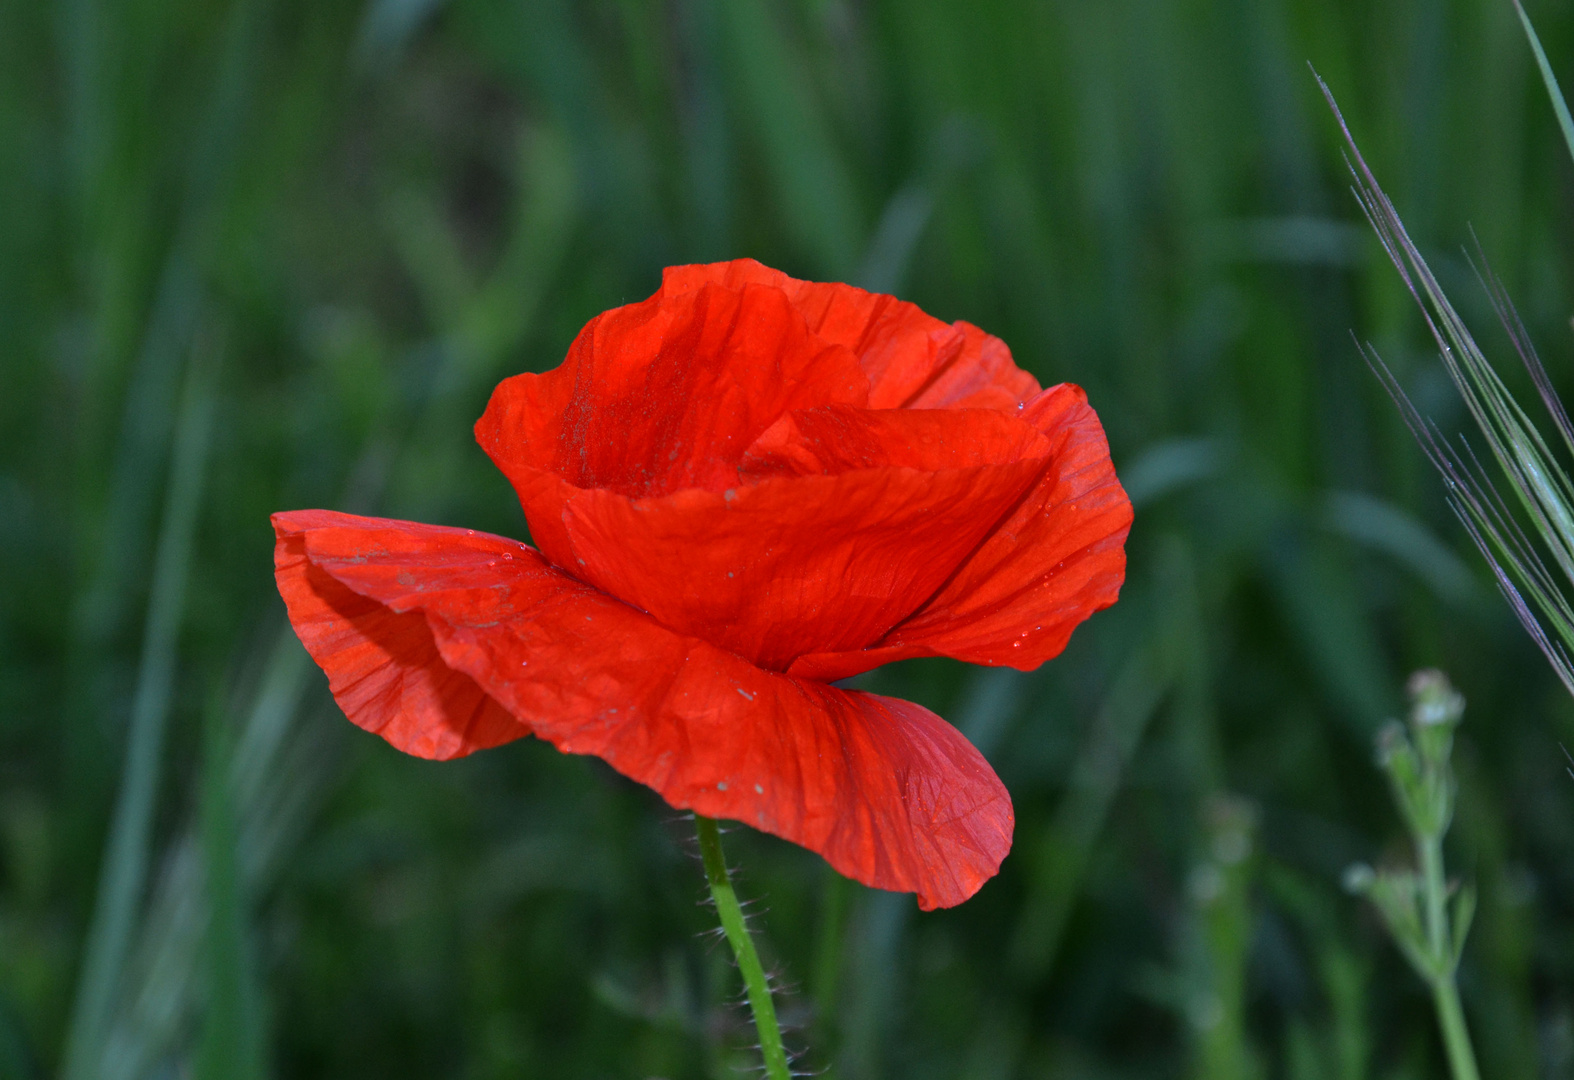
[1427, 915]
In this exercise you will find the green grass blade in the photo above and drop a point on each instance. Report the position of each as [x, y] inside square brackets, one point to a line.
[1066, 846]
[1538, 482]
[191, 992]
[814, 186]
[1515, 565]
[876, 995]
[139, 456]
[902, 224]
[1559, 105]
[123, 876]
[231, 1046]
[1384, 527]
[501, 313]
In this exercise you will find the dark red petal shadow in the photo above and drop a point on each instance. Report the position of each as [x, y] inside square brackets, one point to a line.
[383, 667]
[1056, 560]
[887, 792]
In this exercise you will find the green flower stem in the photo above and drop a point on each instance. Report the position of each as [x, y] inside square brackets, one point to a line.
[1445, 992]
[1456, 1037]
[737, 932]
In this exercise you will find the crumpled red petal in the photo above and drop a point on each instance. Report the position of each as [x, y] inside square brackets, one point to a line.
[887, 792]
[660, 396]
[836, 439]
[383, 667]
[654, 445]
[912, 359]
[813, 563]
[1058, 558]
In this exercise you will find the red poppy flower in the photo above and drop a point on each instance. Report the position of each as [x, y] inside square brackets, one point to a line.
[740, 490]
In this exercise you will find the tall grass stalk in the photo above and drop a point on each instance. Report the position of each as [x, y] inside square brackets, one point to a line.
[123, 876]
[189, 970]
[1554, 92]
[1539, 484]
[1417, 905]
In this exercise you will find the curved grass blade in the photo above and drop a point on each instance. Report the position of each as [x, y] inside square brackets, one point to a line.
[1492, 528]
[1541, 486]
[125, 869]
[1559, 105]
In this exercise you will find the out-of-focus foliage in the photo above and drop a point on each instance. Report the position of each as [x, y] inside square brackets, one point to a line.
[266, 254]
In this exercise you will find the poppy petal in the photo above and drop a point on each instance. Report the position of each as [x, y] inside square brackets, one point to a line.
[912, 359]
[797, 564]
[383, 667]
[887, 792]
[979, 374]
[667, 394]
[656, 397]
[1057, 559]
[836, 439]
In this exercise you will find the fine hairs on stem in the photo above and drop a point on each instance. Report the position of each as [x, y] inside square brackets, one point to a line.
[1427, 916]
[737, 932]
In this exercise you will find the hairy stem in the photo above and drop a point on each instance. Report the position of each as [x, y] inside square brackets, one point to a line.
[737, 932]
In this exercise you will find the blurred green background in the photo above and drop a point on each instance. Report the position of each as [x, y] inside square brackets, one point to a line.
[270, 254]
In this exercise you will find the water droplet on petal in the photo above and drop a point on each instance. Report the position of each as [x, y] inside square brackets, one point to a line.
[758, 790]
[721, 785]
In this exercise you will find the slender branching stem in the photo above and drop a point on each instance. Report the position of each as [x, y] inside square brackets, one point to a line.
[1456, 1036]
[1429, 854]
[732, 924]
[1428, 922]
[1445, 991]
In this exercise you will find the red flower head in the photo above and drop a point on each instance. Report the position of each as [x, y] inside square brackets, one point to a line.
[740, 490]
